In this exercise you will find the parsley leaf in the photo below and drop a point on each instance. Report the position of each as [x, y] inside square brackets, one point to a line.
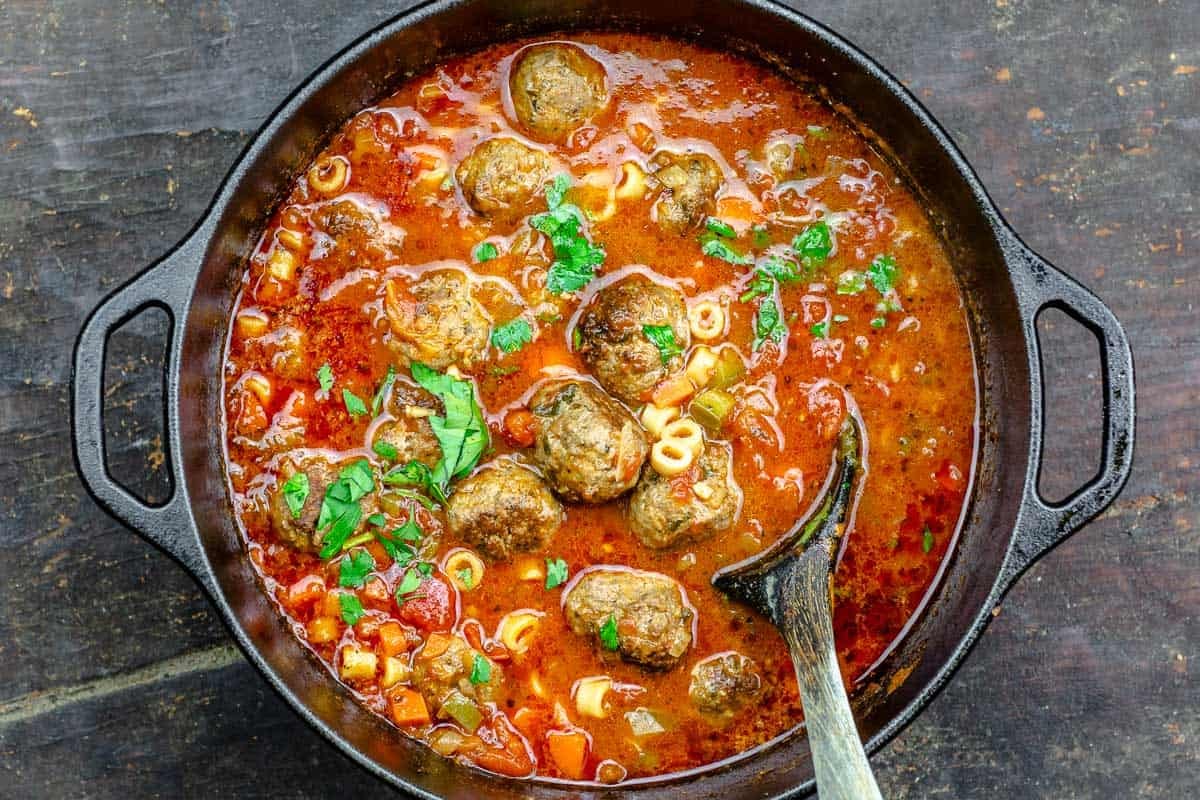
[377, 520]
[354, 404]
[414, 473]
[325, 377]
[575, 258]
[760, 285]
[714, 246]
[512, 336]
[781, 269]
[883, 273]
[411, 581]
[927, 540]
[820, 330]
[295, 493]
[461, 433]
[484, 251]
[352, 572]
[556, 572]
[768, 326]
[851, 282]
[396, 544]
[352, 608]
[813, 243]
[381, 393]
[663, 337]
[466, 577]
[481, 670]
[720, 228]
[878, 322]
[759, 236]
[608, 634]
[340, 511]
[385, 450]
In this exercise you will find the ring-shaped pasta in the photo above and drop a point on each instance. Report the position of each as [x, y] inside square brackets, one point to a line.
[670, 457]
[516, 630]
[632, 183]
[329, 175]
[434, 164]
[589, 695]
[654, 419]
[701, 366]
[259, 385]
[707, 320]
[464, 568]
[687, 433]
[292, 240]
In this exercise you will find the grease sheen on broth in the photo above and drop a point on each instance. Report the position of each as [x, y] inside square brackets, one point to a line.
[397, 247]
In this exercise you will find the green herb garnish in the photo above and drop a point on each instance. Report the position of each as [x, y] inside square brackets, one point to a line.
[484, 251]
[295, 493]
[340, 511]
[354, 568]
[608, 634]
[820, 330]
[714, 246]
[354, 404]
[352, 608]
[883, 273]
[512, 335]
[385, 450]
[759, 236]
[325, 377]
[768, 326]
[398, 543]
[663, 337]
[720, 227]
[878, 322]
[575, 258]
[381, 393]
[851, 282]
[409, 584]
[481, 670]
[466, 577]
[462, 434]
[927, 540]
[813, 244]
[556, 572]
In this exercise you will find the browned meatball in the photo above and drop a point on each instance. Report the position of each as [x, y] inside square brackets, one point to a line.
[614, 342]
[299, 530]
[653, 623]
[660, 517]
[502, 177]
[356, 229]
[443, 666]
[588, 444]
[437, 321]
[504, 509]
[690, 183]
[407, 429]
[723, 683]
[555, 89]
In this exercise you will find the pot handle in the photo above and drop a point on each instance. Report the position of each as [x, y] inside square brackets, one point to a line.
[167, 285]
[1043, 525]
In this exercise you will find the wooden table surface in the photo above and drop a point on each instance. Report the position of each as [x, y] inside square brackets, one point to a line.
[118, 120]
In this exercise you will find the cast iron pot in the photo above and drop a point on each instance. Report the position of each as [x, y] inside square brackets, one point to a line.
[1005, 285]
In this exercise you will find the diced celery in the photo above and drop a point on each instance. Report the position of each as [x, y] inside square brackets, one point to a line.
[729, 369]
[462, 710]
[712, 407]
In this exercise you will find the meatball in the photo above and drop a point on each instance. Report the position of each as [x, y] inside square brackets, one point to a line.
[502, 177]
[408, 430]
[661, 515]
[614, 343]
[588, 445]
[300, 530]
[355, 229]
[443, 666]
[690, 182]
[649, 610]
[555, 89]
[723, 683]
[504, 509]
[437, 321]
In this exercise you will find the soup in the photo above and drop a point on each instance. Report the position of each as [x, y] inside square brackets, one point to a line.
[544, 339]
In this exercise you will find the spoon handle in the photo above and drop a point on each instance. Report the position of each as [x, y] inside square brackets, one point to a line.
[843, 772]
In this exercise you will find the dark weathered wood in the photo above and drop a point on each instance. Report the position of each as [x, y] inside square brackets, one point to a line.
[1081, 116]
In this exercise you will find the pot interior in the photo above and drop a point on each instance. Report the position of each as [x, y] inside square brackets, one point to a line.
[906, 679]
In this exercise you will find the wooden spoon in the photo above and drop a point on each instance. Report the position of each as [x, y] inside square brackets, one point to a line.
[790, 583]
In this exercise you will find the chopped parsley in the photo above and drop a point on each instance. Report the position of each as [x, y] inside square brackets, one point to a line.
[462, 434]
[720, 227]
[781, 269]
[760, 285]
[466, 577]
[820, 330]
[714, 246]
[840, 318]
[512, 336]
[295, 493]
[398, 544]
[385, 450]
[354, 404]
[883, 273]
[851, 282]
[481, 670]
[352, 608]
[340, 511]
[412, 580]
[325, 377]
[608, 634]
[759, 236]
[927, 540]
[575, 258]
[556, 572]
[484, 251]
[381, 393]
[663, 337]
[878, 322]
[813, 244]
[768, 326]
[354, 568]
[377, 520]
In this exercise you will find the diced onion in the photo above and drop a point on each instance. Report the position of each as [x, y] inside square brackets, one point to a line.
[357, 664]
[643, 723]
[530, 569]
[258, 385]
[654, 419]
[252, 323]
[589, 695]
[394, 671]
[446, 741]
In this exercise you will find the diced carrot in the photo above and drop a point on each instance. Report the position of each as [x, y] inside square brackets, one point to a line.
[306, 590]
[408, 708]
[376, 591]
[673, 391]
[526, 721]
[568, 749]
[322, 629]
[392, 640]
[436, 644]
[518, 428]
[555, 355]
[330, 605]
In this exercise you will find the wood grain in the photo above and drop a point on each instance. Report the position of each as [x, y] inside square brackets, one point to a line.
[117, 121]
